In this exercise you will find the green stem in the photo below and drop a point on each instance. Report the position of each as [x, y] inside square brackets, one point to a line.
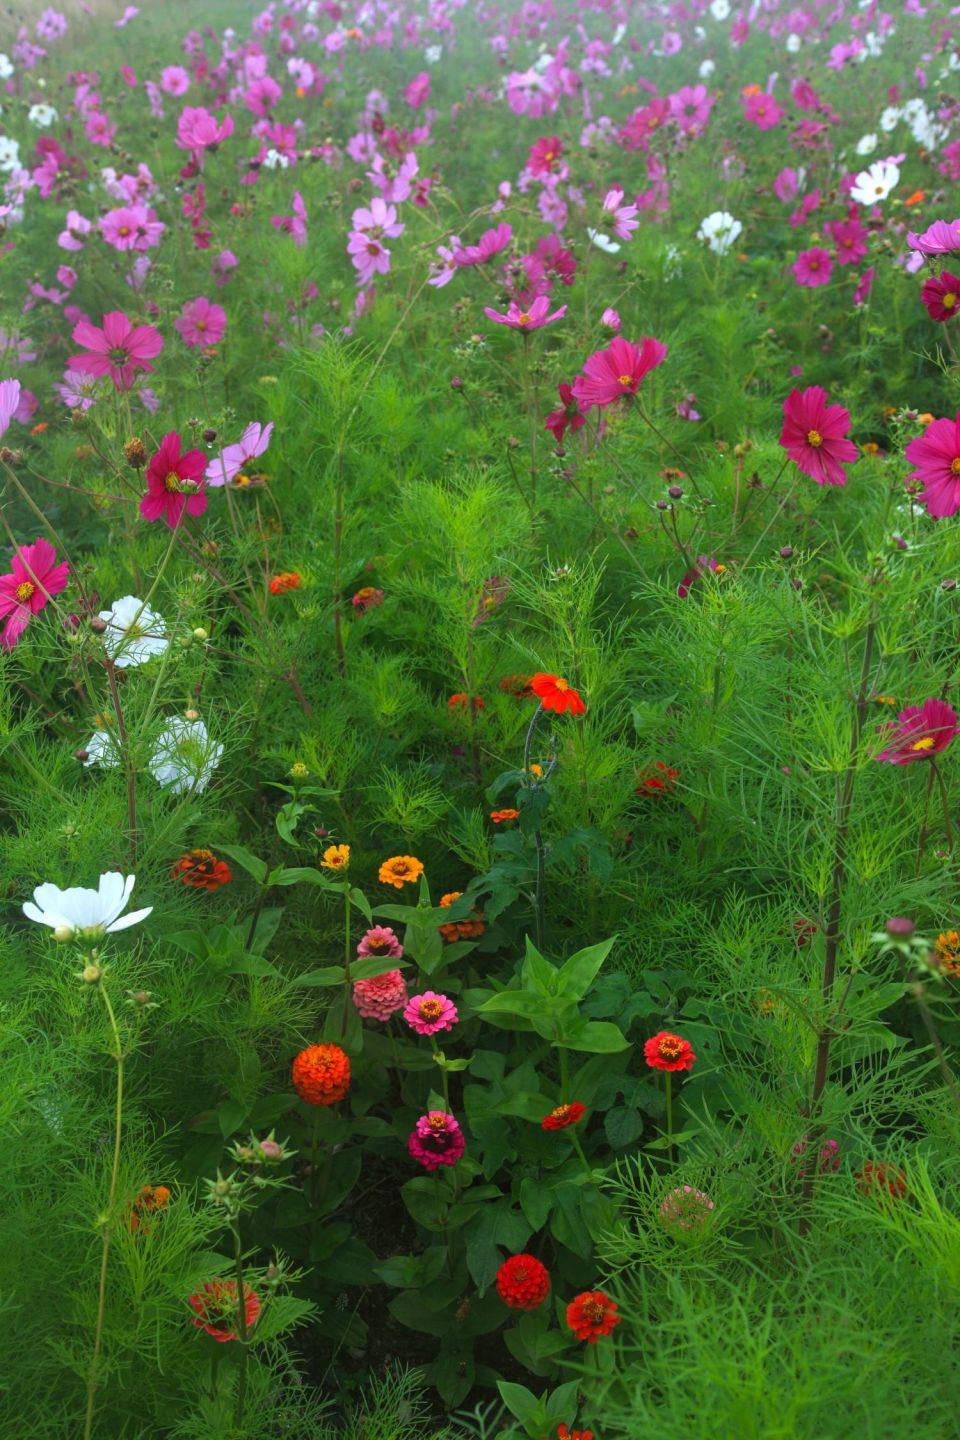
[345, 1018]
[128, 766]
[242, 1325]
[668, 1090]
[575, 1138]
[444, 1078]
[946, 805]
[564, 1077]
[106, 1219]
[925, 823]
[539, 914]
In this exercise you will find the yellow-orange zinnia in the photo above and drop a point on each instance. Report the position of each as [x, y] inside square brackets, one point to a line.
[401, 870]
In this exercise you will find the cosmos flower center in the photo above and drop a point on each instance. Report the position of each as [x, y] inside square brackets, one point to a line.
[926, 743]
[25, 590]
[523, 319]
[624, 379]
[669, 1048]
[955, 466]
[430, 1009]
[124, 230]
[171, 482]
[814, 438]
[119, 356]
[949, 300]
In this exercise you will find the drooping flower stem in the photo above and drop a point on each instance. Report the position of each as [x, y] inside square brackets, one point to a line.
[106, 1219]
[345, 1016]
[539, 916]
[242, 1326]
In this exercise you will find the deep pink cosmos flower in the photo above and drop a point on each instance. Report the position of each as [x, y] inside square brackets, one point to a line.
[174, 483]
[865, 285]
[919, 733]
[612, 374]
[533, 318]
[567, 417]
[201, 322]
[9, 401]
[703, 564]
[417, 93]
[938, 239]
[941, 295]
[813, 267]
[295, 224]
[429, 1012]
[119, 349]
[491, 242]
[198, 130]
[850, 238]
[132, 227]
[813, 435]
[381, 997]
[545, 155]
[34, 579]
[763, 111]
[936, 455]
[251, 445]
[437, 1140]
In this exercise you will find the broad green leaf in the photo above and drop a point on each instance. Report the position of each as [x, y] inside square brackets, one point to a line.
[247, 861]
[578, 973]
[597, 1037]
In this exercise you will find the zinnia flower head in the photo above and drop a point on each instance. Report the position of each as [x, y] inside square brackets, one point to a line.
[400, 870]
[286, 581]
[946, 949]
[381, 941]
[430, 1012]
[368, 597]
[119, 349]
[555, 693]
[34, 579]
[814, 433]
[336, 857]
[469, 929]
[381, 997]
[437, 1140]
[936, 455]
[615, 373]
[686, 1208]
[941, 295]
[321, 1074]
[668, 1052]
[151, 1198]
[523, 1282]
[201, 870]
[215, 1305]
[563, 1115]
[592, 1315]
[563, 1433]
[919, 733]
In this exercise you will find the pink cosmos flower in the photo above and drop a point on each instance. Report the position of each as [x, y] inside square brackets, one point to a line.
[417, 93]
[201, 323]
[34, 579]
[175, 80]
[491, 242]
[132, 227]
[119, 349]
[624, 222]
[645, 121]
[443, 270]
[690, 107]
[76, 391]
[378, 219]
[429, 1012]
[251, 445]
[174, 483]
[787, 185]
[850, 238]
[919, 733]
[9, 401]
[367, 256]
[437, 1140]
[381, 997]
[615, 373]
[532, 319]
[567, 417]
[941, 295]
[295, 224]
[862, 292]
[380, 941]
[610, 319]
[77, 229]
[938, 239]
[813, 435]
[936, 454]
[222, 265]
[545, 155]
[813, 267]
[198, 130]
[763, 111]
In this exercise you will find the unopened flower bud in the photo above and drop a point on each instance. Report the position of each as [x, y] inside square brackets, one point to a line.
[82, 755]
[321, 832]
[91, 974]
[786, 552]
[98, 626]
[221, 1188]
[140, 998]
[191, 714]
[675, 492]
[136, 453]
[662, 505]
[63, 932]
[456, 382]
[199, 633]
[948, 584]
[271, 1150]
[209, 435]
[899, 927]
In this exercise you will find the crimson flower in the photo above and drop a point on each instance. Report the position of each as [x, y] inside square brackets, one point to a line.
[941, 295]
[567, 417]
[591, 1315]
[668, 1052]
[564, 1434]
[34, 579]
[523, 1282]
[215, 1305]
[936, 454]
[612, 374]
[119, 349]
[920, 732]
[563, 1115]
[813, 435]
[174, 483]
[556, 694]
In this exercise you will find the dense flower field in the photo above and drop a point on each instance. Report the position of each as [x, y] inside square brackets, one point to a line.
[480, 642]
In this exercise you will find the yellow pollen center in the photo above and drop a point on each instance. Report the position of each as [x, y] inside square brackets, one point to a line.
[430, 1009]
[200, 325]
[955, 466]
[560, 1112]
[172, 483]
[549, 156]
[593, 1310]
[624, 379]
[949, 300]
[669, 1049]
[438, 1121]
[25, 590]
[814, 438]
[523, 319]
[926, 743]
[562, 685]
[124, 230]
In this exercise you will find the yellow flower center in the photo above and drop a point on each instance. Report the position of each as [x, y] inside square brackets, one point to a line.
[24, 591]
[124, 230]
[955, 466]
[172, 483]
[949, 300]
[437, 1119]
[430, 1009]
[926, 743]
[523, 319]
[669, 1049]
[624, 379]
[562, 685]
[200, 325]
[549, 156]
[814, 438]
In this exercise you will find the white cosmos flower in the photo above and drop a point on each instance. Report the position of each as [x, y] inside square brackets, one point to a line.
[706, 69]
[102, 750]
[720, 9]
[273, 159]
[793, 43]
[603, 242]
[873, 185]
[90, 914]
[42, 116]
[890, 118]
[432, 54]
[9, 154]
[6, 69]
[867, 144]
[184, 757]
[134, 632]
[719, 231]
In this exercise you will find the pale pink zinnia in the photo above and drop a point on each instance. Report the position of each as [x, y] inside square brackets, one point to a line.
[381, 997]
[615, 373]
[814, 434]
[380, 941]
[119, 349]
[936, 455]
[429, 1012]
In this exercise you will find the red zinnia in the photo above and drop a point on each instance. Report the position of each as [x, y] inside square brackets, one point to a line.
[563, 1116]
[174, 483]
[201, 870]
[286, 580]
[879, 1179]
[610, 375]
[813, 435]
[936, 454]
[215, 1304]
[591, 1315]
[564, 1434]
[523, 1282]
[656, 781]
[941, 295]
[321, 1074]
[556, 694]
[669, 1052]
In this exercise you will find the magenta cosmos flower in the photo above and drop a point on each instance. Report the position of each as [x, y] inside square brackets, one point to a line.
[941, 295]
[251, 445]
[813, 435]
[34, 579]
[174, 483]
[380, 942]
[938, 239]
[198, 130]
[201, 323]
[762, 111]
[936, 454]
[491, 242]
[919, 733]
[813, 267]
[615, 373]
[132, 227]
[294, 225]
[429, 1012]
[437, 1140]
[566, 417]
[533, 318]
[119, 349]
[381, 997]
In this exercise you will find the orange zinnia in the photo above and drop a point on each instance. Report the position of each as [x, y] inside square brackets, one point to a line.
[468, 929]
[151, 1197]
[555, 693]
[400, 870]
[286, 580]
[499, 815]
[321, 1074]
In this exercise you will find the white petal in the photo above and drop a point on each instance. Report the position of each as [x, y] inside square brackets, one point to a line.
[126, 921]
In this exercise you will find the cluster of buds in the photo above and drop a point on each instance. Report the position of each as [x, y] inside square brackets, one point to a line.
[232, 1194]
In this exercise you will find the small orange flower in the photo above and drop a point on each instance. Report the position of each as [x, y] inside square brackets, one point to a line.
[400, 870]
[40, 427]
[469, 929]
[286, 580]
[555, 693]
[916, 197]
[461, 701]
[321, 1074]
[202, 870]
[151, 1197]
[518, 686]
[336, 857]
[498, 816]
[749, 90]
[947, 950]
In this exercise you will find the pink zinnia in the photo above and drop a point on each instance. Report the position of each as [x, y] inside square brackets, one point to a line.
[686, 1208]
[813, 267]
[174, 483]
[941, 295]
[380, 941]
[119, 349]
[814, 435]
[762, 111]
[429, 1012]
[936, 454]
[34, 579]
[610, 375]
[381, 997]
[919, 733]
[251, 445]
[532, 318]
[201, 322]
[437, 1140]
[491, 242]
